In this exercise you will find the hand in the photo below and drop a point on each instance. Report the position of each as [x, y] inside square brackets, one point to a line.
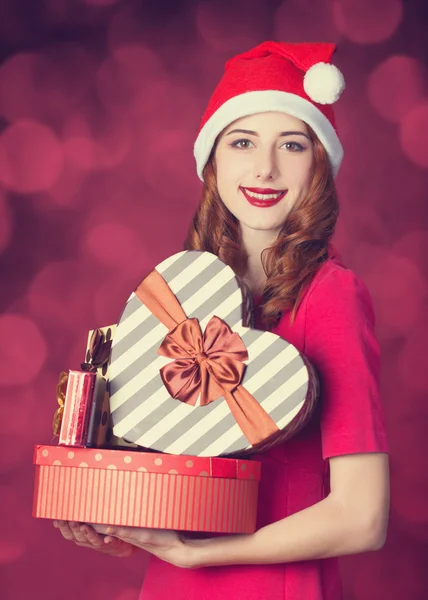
[84, 535]
[166, 545]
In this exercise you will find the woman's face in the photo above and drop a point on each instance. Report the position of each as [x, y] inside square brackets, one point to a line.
[264, 166]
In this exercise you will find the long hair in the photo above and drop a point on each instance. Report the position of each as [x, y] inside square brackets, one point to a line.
[300, 248]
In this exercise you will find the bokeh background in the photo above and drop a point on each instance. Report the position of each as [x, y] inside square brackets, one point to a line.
[100, 102]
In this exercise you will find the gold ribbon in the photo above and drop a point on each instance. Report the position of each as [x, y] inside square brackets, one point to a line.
[210, 365]
[61, 389]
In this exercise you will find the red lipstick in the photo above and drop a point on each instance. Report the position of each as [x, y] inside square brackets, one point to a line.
[272, 196]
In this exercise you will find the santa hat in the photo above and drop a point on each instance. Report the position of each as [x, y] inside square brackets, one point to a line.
[296, 79]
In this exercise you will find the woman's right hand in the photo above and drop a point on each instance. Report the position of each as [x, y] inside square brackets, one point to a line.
[84, 535]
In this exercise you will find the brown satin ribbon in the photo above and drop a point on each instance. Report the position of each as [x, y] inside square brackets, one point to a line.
[61, 389]
[98, 352]
[209, 364]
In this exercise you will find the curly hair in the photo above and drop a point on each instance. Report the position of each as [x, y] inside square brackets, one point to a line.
[293, 260]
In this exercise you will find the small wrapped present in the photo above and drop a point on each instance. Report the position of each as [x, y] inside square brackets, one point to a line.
[97, 357]
[75, 393]
[189, 376]
[142, 489]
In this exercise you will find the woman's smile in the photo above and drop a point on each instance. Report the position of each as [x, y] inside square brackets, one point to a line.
[262, 197]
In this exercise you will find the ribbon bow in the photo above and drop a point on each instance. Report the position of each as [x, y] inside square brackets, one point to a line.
[204, 364]
[210, 364]
[61, 389]
[98, 352]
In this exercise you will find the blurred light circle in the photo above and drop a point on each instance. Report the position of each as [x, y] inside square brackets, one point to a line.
[79, 151]
[11, 550]
[110, 298]
[5, 223]
[128, 73]
[310, 21]
[413, 245]
[31, 157]
[22, 349]
[396, 85]
[234, 28]
[18, 408]
[165, 105]
[105, 151]
[368, 22]
[45, 86]
[395, 282]
[412, 365]
[65, 191]
[113, 145]
[60, 294]
[77, 141]
[168, 158]
[414, 135]
[112, 244]
[20, 81]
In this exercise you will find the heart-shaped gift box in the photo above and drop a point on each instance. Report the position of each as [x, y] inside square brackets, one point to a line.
[188, 377]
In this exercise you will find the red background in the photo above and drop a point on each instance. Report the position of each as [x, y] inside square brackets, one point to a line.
[99, 106]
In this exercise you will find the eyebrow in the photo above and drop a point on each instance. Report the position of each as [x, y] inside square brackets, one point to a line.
[282, 134]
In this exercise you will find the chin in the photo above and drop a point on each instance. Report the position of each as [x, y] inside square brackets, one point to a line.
[273, 227]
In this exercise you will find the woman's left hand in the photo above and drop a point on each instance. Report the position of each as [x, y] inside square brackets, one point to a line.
[166, 545]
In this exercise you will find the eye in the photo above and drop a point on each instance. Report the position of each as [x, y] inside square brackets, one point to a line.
[293, 146]
[242, 144]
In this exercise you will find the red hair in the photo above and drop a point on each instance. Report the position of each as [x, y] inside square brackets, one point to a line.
[296, 255]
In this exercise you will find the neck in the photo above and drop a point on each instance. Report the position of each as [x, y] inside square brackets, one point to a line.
[254, 242]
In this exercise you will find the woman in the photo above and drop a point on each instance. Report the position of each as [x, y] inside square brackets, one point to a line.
[267, 152]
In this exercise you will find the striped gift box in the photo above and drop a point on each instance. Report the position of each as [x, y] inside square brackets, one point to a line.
[142, 410]
[142, 489]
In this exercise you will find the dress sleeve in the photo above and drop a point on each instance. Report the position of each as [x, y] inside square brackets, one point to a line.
[342, 345]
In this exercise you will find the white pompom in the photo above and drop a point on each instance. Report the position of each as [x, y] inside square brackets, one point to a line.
[324, 83]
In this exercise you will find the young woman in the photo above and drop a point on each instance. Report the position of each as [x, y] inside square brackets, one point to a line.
[268, 152]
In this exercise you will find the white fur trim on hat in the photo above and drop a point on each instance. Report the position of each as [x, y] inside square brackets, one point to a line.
[252, 103]
[324, 83]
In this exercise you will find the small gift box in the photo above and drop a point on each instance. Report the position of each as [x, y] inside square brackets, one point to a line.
[97, 359]
[75, 393]
[187, 374]
[141, 489]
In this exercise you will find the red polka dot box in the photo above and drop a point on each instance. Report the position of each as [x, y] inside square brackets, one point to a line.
[146, 489]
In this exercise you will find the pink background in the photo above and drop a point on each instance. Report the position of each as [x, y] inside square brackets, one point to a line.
[99, 106]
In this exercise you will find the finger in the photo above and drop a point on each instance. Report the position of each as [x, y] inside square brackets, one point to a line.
[78, 535]
[113, 530]
[109, 540]
[66, 531]
[126, 534]
[92, 537]
[99, 527]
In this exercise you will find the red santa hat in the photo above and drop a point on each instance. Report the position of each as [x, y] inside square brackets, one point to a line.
[297, 79]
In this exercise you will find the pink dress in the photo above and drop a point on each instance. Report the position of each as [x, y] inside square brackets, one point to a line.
[334, 328]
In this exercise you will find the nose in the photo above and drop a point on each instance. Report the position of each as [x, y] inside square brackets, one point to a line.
[265, 166]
